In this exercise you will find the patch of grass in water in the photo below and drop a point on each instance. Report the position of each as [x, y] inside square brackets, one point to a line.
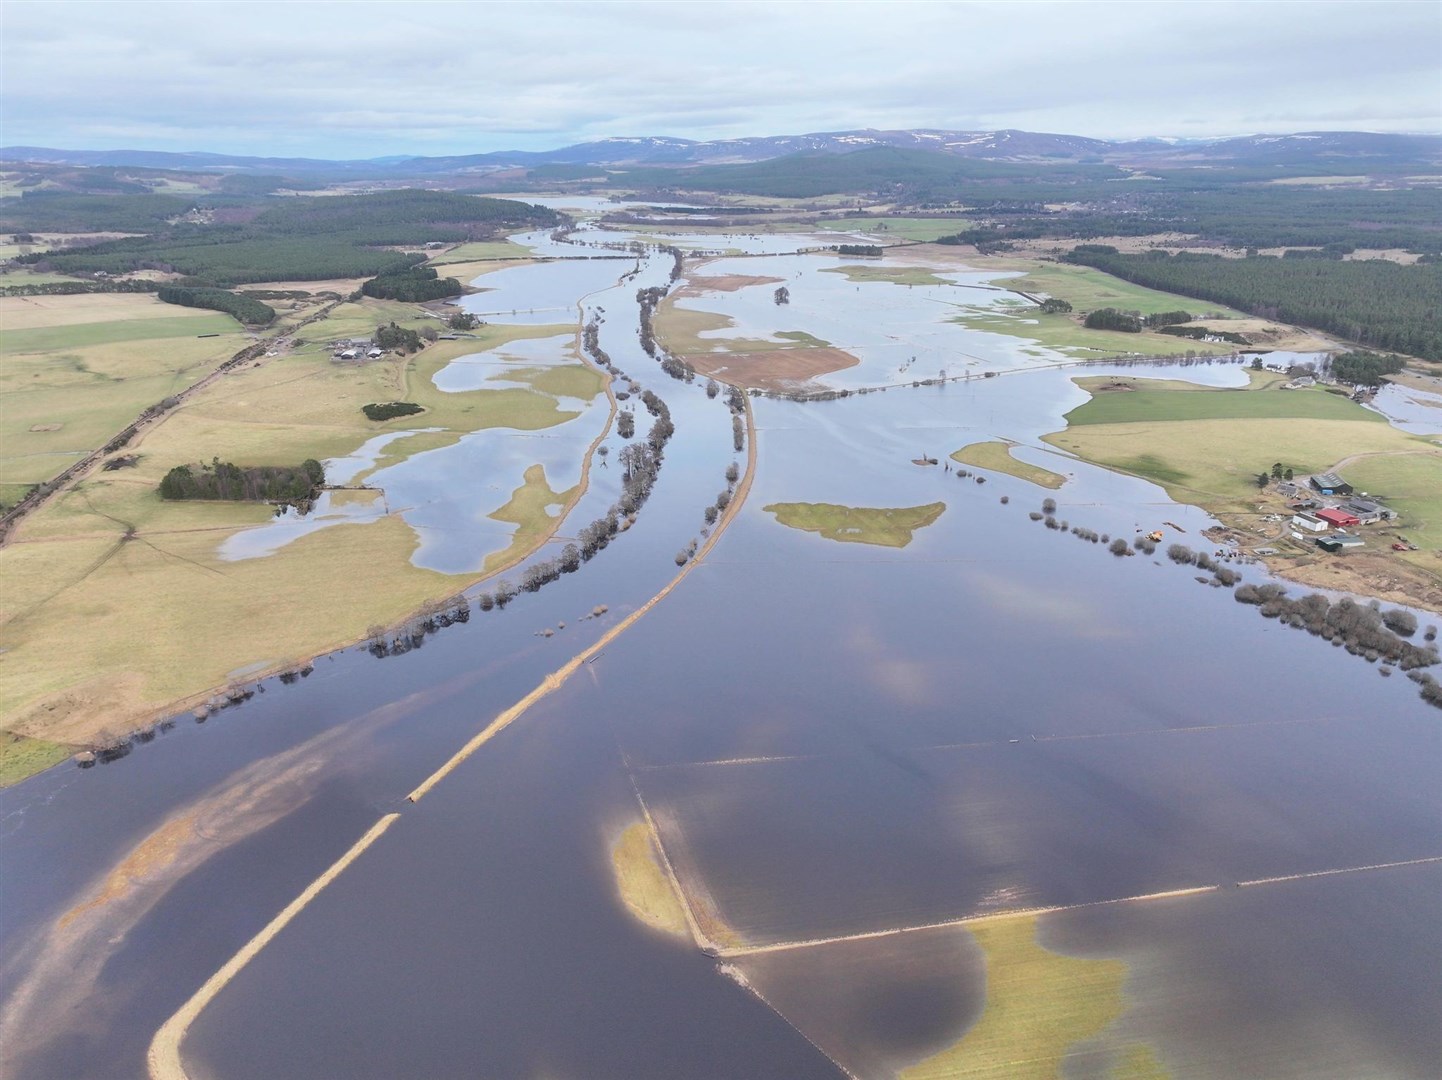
[997, 457]
[1039, 1005]
[858, 524]
[644, 887]
[801, 337]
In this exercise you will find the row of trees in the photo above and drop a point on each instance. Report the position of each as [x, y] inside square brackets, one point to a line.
[1364, 629]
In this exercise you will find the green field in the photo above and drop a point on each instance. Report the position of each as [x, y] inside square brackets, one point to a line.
[1087, 289]
[50, 338]
[67, 388]
[1214, 463]
[997, 457]
[1411, 484]
[1132, 406]
[857, 524]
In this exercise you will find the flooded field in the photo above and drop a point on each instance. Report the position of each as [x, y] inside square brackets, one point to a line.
[979, 799]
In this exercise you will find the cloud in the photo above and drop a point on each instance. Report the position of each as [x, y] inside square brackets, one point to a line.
[353, 79]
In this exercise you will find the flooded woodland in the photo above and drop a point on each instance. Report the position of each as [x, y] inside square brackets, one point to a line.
[974, 799]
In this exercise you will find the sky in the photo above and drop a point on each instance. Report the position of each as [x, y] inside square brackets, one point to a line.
[360, 80]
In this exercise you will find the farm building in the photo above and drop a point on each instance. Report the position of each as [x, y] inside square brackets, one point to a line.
[1366, 510]
[1331, 484]
[1339, 541]
[1338, 518]
[1310, 522]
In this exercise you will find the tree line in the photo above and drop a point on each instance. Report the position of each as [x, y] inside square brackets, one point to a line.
[1380, 304]
[245, 309]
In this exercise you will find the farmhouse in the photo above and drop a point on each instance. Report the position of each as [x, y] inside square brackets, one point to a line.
[1338, 518]
[1331, 484]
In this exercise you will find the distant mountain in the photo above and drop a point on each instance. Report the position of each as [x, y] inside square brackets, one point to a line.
[1366, 149]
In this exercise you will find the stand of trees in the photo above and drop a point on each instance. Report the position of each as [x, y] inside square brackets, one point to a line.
[1363, 368]
[245, 309]
[412, 284]
[398, 338]
[1111, 319]
[253, 483]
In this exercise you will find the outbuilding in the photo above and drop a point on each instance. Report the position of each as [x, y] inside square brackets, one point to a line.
[1339, 541]
[1339, 519]
[1331, 484]
[1310, 522]
[1366, 510]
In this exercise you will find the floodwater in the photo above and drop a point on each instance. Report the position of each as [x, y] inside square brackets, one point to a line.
[899, 333]
[832, 739]
[1409, 408]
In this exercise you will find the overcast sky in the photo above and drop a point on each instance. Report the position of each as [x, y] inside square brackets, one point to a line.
[373, 79]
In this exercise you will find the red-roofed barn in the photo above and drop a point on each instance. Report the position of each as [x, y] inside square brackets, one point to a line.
[1338, 518]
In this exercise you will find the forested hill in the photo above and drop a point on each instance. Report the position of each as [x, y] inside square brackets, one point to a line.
[298, 238]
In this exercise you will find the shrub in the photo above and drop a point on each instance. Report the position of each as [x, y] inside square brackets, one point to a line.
[1400, 622]
[1180, 553]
